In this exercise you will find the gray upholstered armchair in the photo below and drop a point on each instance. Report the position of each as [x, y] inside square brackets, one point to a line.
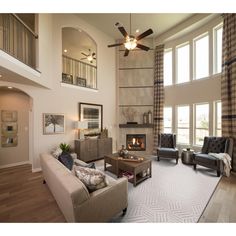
[167, 147]
[213, 145]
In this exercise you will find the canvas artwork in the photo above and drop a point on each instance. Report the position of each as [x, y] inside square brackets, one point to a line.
[92, 113]
[9, 128]
[53, 123]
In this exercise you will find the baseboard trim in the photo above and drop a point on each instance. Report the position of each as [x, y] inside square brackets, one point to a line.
[15, 164]
[36, 169]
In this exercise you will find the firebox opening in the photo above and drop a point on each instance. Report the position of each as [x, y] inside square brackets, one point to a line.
[136, 142]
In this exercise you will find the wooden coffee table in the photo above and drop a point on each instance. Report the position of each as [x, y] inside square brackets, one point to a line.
[136, 168]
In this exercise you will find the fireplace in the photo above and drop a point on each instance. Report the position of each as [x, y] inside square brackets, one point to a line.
[136, 142]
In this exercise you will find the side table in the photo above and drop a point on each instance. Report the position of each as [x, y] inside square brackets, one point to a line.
[187, 156]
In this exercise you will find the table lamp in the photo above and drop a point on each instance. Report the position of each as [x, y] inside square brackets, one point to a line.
[81, 126]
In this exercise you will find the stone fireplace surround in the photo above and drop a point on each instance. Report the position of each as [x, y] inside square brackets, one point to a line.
[135, 91]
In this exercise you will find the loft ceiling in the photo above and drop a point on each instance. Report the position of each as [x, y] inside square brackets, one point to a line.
[159, 22]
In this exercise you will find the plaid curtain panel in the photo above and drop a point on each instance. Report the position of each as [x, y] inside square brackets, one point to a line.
[158, 95]
[228, 80]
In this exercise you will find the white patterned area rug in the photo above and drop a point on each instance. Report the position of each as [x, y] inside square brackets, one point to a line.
[175, 193]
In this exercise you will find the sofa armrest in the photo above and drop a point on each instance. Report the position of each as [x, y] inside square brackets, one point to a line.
[104, 203]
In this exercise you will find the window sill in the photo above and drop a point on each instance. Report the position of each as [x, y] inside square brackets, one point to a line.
[79, 87]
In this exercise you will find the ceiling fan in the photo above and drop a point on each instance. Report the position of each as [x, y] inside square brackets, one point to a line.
[130, 42]
[90, 57]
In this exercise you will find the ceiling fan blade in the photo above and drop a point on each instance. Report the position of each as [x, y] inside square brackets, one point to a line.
[144, 34]
[84, 54]
[121, 29]
[142, 47]
[126, 53]
[114, 45]
[83, 58]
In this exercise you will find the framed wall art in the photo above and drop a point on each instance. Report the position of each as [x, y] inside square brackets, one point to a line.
[66, 78]
[53, 123]
[9, 128]
[8, 116]
[9, 141]
[93, 114]
[81, 81]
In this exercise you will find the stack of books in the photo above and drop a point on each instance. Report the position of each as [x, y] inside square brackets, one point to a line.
[127, 174]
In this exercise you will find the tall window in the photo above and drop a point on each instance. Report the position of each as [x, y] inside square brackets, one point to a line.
[182, 56]
[218, 31]
[201, 57]
[218, 113]
[168, 67]
[201, 122]
[167, 119]
[183, 124]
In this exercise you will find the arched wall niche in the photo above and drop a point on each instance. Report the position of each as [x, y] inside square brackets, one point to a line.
[79, 58]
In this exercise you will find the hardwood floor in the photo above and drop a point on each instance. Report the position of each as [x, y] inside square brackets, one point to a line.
[222, 206]
[23, 198]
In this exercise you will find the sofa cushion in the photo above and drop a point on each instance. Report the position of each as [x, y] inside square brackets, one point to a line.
[66, 159]
[93, 179]
[167, 140]
[205, 158]
[216, 145]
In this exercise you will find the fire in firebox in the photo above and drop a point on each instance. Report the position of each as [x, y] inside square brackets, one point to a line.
[136, 142]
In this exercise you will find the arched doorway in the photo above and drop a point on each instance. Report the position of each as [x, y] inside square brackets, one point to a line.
[16, 127]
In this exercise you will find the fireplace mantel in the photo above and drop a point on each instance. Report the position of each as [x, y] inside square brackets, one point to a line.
[136, 125]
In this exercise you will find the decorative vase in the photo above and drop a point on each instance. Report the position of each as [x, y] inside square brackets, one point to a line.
[149, 117]
[123, 152]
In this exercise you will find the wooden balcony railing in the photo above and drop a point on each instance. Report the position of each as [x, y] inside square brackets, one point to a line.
[17, 39]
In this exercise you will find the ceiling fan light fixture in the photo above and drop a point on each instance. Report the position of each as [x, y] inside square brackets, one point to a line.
[90, 58]
[130, 43]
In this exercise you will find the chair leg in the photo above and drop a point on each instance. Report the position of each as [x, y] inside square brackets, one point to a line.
[194, 166]
[218, 173]
[177, 159]
[158, 158]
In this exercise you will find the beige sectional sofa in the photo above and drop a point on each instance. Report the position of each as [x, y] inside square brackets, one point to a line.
[73, 198]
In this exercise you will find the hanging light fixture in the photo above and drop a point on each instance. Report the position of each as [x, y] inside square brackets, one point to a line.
[131, 41]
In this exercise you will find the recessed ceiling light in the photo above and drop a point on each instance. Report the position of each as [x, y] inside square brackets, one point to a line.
[65, 50]
[9, 87]
[137, 30]
[0, 76]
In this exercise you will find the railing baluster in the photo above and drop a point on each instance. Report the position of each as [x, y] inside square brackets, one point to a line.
[80, 69]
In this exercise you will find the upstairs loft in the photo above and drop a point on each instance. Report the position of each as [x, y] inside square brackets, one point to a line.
[18, 41]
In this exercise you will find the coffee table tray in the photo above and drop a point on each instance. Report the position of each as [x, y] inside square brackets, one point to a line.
[140, 159]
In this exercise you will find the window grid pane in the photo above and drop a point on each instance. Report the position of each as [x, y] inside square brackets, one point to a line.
[167, 117]
[218, 48]
[201, 123]
[168, 68]
[183, 64]
[183, 124]
[201, 57]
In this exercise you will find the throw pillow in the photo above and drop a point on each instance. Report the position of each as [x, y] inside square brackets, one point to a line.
[93, 179]
[66, 159]
[78, 162]
[56, 152]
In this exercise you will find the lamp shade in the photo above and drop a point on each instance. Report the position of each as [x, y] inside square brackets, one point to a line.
[81, 124]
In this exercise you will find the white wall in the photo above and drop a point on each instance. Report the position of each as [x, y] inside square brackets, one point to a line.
[20, 102]
[65, 100]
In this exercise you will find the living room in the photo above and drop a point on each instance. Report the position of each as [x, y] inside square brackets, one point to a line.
[120, 90]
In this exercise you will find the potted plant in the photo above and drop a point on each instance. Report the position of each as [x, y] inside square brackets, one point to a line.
[65, 147]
